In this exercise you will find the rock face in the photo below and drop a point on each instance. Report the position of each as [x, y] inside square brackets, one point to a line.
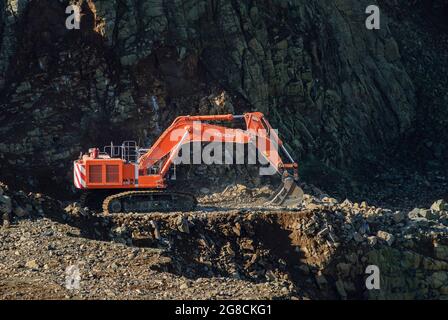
[335, 89]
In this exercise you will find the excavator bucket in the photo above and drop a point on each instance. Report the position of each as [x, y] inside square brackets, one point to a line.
[288, 194]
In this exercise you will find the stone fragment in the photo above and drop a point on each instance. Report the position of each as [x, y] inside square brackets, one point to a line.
[439, 205]
[398, 216]
[441, 252]
[183, 225]
[357, 237]
[20, 212]
[340, 289]
[344, 269]
[385, 236]
[439, 279]
[32, 264]
[321, 281]
[5, 204]
[372, 240]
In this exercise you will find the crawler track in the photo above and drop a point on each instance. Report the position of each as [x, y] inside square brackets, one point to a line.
[149, 201]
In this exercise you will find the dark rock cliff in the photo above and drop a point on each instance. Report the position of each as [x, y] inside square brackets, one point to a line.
[339, 93]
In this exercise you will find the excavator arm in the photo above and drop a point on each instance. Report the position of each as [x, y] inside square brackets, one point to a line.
[187, 129]
[258, 132]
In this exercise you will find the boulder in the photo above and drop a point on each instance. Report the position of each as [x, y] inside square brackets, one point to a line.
[398, 216]
[5, 204]
[182, 225]
[439, 279]
[385, 236]
[20, 212]
[372, 240]
[439, 205]
[441, 252]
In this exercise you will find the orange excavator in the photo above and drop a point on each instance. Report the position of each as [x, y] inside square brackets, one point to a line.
[135, 179]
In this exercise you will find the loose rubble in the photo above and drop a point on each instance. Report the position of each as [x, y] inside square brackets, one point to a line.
[21, 204]
[317, 249]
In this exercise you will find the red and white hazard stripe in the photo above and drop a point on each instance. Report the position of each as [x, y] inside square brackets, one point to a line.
[79, 175]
